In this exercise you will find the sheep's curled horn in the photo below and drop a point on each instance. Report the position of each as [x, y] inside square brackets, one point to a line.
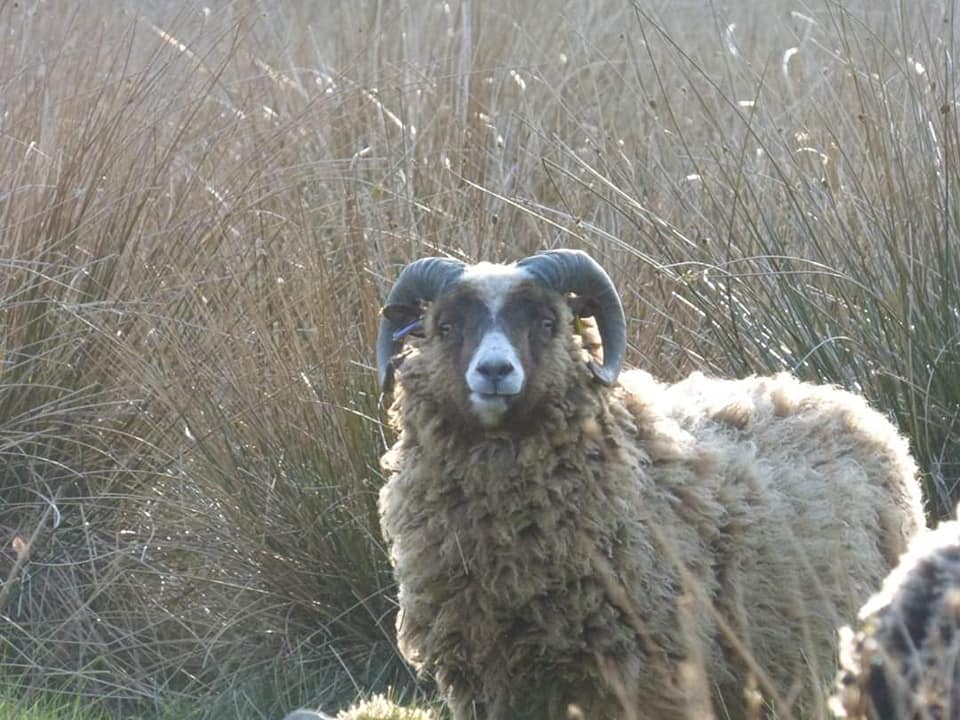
[573, 271]
[565, 271]
[421, 281]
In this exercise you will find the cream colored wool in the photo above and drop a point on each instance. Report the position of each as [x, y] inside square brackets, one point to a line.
[547, 570]
[377, 707]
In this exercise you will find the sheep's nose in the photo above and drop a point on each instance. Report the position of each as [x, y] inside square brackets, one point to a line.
[495, 370]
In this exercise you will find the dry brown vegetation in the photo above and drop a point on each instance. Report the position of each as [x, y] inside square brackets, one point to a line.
[201, 206]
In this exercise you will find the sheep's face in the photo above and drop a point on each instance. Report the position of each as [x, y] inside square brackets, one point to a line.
[495, 337]
[498, 346]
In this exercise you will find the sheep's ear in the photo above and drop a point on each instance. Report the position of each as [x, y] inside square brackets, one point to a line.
[408, 319]
[582, 307]
[399, 313]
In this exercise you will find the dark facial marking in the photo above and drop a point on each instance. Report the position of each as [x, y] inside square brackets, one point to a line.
[459, 321]
[529, 318]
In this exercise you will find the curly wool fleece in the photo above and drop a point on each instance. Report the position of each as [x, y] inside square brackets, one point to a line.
[589, 562]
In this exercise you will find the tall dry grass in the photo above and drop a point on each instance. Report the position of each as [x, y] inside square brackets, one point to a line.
[200, 207]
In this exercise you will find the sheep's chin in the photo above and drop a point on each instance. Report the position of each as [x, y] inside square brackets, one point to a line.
[489, 409]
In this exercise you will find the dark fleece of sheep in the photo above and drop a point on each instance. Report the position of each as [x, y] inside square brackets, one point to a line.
[596, 544]
[903, 663]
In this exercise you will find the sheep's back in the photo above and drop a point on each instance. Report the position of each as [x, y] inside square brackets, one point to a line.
[811, 497]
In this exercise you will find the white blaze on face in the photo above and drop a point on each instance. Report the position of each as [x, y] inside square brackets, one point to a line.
[493, 282]
[495, 373]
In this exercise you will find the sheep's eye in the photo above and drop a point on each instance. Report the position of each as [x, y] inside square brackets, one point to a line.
[547, 324]
[444, 329]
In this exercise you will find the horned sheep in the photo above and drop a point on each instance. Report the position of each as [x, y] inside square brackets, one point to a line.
[569, 540]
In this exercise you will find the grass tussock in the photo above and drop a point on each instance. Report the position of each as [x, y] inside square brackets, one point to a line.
[200, 208]
[46, 708]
